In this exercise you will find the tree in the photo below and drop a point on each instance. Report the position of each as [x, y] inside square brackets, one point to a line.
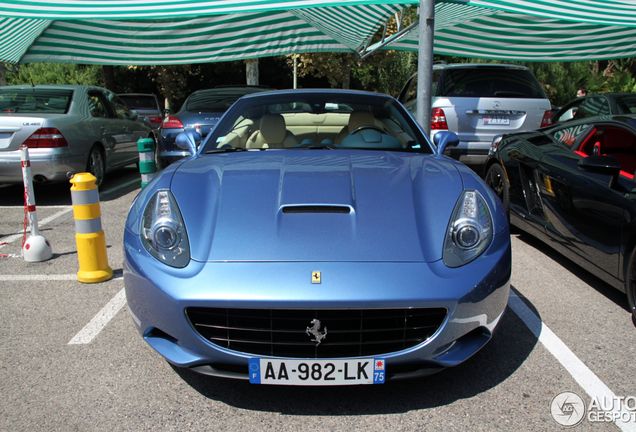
[56, 73]
[251, 71]
[172, 81]
[336, 67]
[109, 78]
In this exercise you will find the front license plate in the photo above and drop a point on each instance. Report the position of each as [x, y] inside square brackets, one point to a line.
[317, 372]
[497, 120]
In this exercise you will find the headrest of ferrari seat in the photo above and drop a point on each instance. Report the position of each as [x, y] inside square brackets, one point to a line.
[360, 118]
[273, 128]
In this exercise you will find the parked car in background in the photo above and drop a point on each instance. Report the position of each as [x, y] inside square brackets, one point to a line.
[278, 255]
[479, 101]
[596, 104]
[200, 113]
[68, 129]
[572, 186]
[147, 106]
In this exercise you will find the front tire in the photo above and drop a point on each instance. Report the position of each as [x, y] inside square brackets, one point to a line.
[496, 179]
[96, 165]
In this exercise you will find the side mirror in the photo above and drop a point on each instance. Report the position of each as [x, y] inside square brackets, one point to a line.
[134, 115]
[605, 164]
[445, 139]
[188, 141]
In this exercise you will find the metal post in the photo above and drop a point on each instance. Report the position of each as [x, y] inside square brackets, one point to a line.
[425, 63]
[295, 72]
[36, 248]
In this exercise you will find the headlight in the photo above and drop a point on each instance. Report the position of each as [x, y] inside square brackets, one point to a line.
[469, 231]
[163, 232]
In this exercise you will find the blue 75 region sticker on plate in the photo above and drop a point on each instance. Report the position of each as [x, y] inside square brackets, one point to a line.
[317, 372]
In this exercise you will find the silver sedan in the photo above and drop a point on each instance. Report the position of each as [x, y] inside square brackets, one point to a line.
[68, 129]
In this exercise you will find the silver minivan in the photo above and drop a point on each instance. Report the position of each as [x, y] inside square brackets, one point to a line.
[480, 101]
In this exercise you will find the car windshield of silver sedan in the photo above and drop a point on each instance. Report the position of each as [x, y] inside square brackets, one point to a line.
[317, 121]
[34, 100]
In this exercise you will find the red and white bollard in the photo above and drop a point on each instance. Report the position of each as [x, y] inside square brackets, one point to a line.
[36, 248]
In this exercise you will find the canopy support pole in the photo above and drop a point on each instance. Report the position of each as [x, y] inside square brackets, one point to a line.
[425, 64]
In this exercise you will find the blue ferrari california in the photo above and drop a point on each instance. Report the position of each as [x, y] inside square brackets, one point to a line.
[317, 237]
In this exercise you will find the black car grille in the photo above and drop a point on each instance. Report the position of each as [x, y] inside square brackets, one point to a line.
[283, 332]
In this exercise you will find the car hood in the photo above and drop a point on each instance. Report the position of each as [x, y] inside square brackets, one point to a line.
[317, 205]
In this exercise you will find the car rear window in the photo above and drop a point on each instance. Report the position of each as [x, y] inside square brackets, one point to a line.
[34, 100]
[490, 82]
[140, 102]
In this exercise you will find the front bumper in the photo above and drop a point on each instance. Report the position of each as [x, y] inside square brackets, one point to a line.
[475, 296]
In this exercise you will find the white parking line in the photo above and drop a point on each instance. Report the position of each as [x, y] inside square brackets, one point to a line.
[43, 222]
[592, 385]
[99, 321]
[67, 209]
[11, 278]
[121, 186]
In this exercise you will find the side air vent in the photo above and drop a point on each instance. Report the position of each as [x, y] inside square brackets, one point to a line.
[317, 209]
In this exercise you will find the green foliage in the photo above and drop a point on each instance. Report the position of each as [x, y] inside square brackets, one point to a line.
[387, 73]
[620, 82]
[56, 73]
[561, 80]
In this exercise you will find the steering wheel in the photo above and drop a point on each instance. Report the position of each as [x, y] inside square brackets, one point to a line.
[375, 128]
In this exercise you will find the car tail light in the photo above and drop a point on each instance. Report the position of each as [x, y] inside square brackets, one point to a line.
[46, 138]
[155, 119]
[172, 122]
[547, 119]
[438, 119]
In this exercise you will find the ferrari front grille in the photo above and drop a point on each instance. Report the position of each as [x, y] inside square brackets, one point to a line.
[292, 333]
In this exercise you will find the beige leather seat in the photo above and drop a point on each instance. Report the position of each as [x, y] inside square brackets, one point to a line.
[272, 133]
[356, 119]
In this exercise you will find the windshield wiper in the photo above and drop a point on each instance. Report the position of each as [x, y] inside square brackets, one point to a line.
[504, 93]
[317, 147]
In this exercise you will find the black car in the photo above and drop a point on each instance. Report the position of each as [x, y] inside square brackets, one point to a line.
[572, 186]
[594, 105]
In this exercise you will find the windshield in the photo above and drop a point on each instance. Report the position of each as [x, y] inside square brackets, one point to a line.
[329, 120]
[34, 100]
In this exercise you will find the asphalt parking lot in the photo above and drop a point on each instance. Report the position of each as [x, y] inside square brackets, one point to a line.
[72, 360]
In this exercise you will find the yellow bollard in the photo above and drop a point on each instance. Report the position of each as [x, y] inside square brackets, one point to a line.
[90, 238]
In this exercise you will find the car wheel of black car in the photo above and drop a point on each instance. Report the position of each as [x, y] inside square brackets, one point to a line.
[496, 179]
[96, 165]
[630, 285]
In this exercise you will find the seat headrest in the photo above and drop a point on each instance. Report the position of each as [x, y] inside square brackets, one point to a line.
[360, 118]
[273, 128]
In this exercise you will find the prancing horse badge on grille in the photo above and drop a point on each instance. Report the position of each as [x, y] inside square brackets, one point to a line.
[314, 331]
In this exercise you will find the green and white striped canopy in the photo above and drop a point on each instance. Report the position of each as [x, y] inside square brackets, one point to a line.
[148, 32]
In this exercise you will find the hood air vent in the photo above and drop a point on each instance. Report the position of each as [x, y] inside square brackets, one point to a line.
[317, 209]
